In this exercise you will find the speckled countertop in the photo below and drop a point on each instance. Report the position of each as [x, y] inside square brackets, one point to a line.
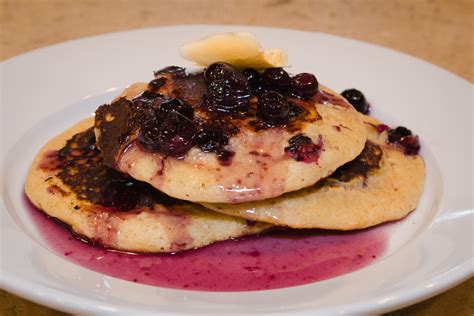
[438, 31]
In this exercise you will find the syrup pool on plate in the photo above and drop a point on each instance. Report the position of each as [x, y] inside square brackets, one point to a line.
[277, 259]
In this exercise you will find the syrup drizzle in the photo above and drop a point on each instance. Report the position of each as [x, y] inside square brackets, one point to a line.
[274, 260]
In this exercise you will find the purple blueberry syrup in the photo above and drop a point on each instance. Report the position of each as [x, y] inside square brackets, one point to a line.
[171, 134]
[273, 260]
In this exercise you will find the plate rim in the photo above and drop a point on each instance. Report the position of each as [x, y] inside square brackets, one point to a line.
[461, 273]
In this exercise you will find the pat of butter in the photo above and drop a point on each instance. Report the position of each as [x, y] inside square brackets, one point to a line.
[239, 49]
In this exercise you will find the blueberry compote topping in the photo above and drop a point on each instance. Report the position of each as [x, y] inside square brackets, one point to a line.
[403, 137]
[228, 96]
[171, 134]
[79, 165]
[357, 99]
[175, 105]
[205, 109]
[302, 148]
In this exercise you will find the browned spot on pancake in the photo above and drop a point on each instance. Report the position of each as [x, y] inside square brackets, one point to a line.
[368, 160]
[54, 189]
[50, 160]
[80, 167]
[113, 133]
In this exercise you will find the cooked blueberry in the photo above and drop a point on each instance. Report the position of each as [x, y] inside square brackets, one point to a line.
[411, 144]
[172, 134]
[155, 84]
[357, 99]
[176, 105]
[397, 134]
[253, 77]
[273, 108]
[404, 137]
[305, 85]
[211, 139]
[402, 131]
[228, 95]
[218, 71]
[175, 70]
[276, 79]
[302, 148]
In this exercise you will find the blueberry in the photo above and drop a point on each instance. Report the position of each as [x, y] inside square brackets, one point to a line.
[228, 95]
[357, 99]
[273, 108]
[305, 85]
[211, 139]
[218, 71]
[397, 134]
[404, 137]
[171, 134]
[403, 131]
[176, 105]
[302, 148]
[276, 79]
[253, 77]
[411, 145]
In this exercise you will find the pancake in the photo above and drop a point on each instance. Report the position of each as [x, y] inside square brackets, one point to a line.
[69, 182]
[382, 184]
[257, 162]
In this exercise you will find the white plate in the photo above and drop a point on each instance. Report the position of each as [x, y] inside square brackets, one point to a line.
[47, 90]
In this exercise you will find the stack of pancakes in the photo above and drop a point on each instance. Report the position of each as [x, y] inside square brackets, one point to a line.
[96, 177]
